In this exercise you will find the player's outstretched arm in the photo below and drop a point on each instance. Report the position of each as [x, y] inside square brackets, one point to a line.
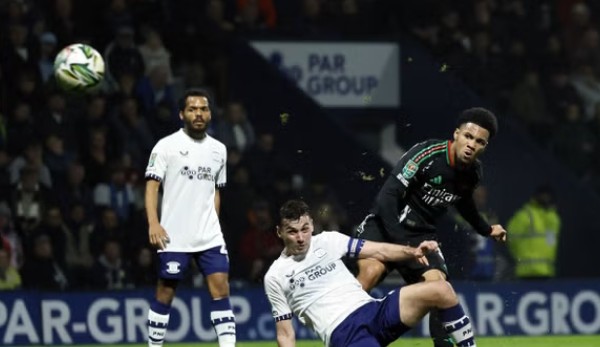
[286, 336]
[385, 252]
[156, 234]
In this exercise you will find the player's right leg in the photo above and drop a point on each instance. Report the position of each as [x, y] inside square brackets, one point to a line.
[370, 271]
[417, 300]
[214, 264]
[171, 270]
[414, 272]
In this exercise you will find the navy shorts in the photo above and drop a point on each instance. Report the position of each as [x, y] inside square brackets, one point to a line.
[374, 324]
[411, 270]
[173, 265]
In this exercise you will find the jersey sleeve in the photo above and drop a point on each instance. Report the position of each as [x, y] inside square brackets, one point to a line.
[342, 245]
[409, 167]
[221, 177]
[468, 210]
[279, 306]
[157, 164]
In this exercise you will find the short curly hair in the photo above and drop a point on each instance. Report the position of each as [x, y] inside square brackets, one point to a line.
[480, 116]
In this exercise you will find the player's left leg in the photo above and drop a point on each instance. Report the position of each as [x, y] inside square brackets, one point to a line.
[415, 272]
[214, 264]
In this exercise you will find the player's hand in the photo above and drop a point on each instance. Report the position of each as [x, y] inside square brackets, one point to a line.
[158, 236]
[498, 233]
[423, 249]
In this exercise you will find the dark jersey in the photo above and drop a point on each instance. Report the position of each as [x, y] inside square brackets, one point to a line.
[422, 186]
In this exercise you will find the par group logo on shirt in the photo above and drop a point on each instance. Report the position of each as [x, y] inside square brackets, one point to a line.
[202, 173]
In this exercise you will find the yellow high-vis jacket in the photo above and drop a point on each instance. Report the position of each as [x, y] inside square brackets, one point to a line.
[533, 239]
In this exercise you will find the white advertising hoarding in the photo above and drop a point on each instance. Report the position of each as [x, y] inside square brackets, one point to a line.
[339, 74]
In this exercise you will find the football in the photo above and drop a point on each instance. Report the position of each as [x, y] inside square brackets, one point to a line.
[78, 67]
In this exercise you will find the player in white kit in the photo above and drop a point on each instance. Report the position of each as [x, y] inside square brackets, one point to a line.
[190, 165]
[309, 280]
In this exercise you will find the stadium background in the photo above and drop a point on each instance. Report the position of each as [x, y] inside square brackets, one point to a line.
[77, 153]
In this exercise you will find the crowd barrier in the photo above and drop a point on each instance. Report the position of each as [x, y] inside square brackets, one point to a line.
[521, 308]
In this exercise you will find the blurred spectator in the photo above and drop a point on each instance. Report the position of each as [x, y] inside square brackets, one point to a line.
[53, 225]
[62, 21]
[41, 270]
[10, 237]
[48, 44]
[134, 132]
[144, 269]
[10, 278]
[265, 10]
[107, 228]
[78, 255]
[29, 200]
[154, 54]
[164, 121]
[96, 156]
[534, 231]
[311, 21]
[560, 94]
[122, 56]
[57, 158]
[255, 16]
[75, 190]
[577, 23]
[28, 89]
[259, 245]
[17, 54]
[215, 13]
[32, 157]
[240, 194]
[117, 16]
[110, 270]
[235, 130]
[587, 85]
[264, 160]
[117, 194]
[156, 88]
[576, 152]
[3, 132]
[552, 57]
[4, 176]
[21, 128]
[57, 119]
[98, 109]
[529, 105]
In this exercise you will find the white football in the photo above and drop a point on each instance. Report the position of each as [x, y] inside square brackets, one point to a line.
[78, 67]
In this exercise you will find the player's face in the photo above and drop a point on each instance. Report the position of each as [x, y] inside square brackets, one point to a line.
[296, 234]
[196, 115]
[470, 141]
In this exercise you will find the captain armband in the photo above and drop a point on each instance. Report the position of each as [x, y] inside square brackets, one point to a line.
[283, 317]
[354, 247]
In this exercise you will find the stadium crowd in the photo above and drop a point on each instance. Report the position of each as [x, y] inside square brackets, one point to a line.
[71, 166]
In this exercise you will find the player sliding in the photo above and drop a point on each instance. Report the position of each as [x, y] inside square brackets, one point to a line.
[310, 280]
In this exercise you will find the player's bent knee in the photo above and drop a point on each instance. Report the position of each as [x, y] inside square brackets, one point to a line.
[369, 272]
[446, 297]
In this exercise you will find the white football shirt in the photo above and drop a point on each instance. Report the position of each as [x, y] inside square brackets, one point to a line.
[189, 170]
[316, 287]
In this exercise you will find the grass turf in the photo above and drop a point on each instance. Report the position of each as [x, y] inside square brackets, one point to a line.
[517, 341]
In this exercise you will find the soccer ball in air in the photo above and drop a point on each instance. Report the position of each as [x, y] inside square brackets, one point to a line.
[78, 67]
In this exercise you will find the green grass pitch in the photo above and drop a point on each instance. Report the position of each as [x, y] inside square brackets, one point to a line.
[517, 341]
